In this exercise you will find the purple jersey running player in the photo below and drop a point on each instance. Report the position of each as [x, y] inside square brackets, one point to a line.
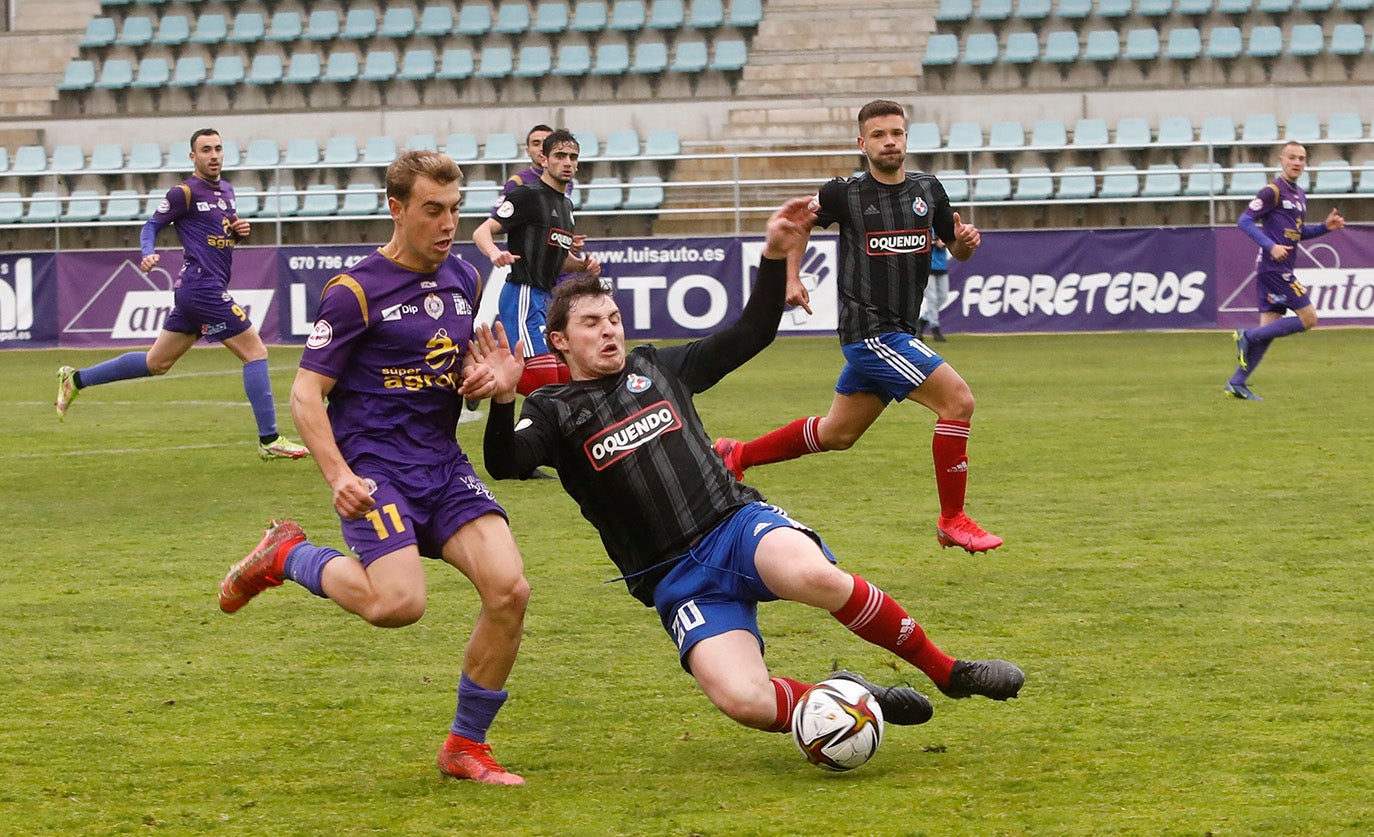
[388, 355]
[201, 208]
[1274, 221]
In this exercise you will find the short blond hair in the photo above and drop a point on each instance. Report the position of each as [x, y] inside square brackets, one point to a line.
[412, 165]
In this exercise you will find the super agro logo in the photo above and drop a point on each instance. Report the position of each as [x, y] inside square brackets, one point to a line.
[620, 440]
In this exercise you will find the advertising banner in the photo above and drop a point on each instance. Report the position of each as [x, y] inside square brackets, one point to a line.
[1337, 269]
[28, 300]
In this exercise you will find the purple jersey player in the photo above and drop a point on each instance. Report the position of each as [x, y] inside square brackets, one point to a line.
[201, 208]
[1274, 221]
[388, 355]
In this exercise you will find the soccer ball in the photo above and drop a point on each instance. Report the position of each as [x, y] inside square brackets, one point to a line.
[837, 725]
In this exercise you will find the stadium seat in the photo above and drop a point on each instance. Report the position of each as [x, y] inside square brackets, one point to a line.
[1074, 10]
[588, 16]
[474, 20]
[321, 25]
[1183, 44]
[662, 142]
[1154, 8]
[1132, 132]
[479, 196]
[1049, 134]
[379, 67]
[942, 50]
[300, 152]
[279, 202]
[588, 145]
[305, 68]
[262, 154]
[689, 57]
[379, 151]
[1234, 9]
[266, 69]
[550, 18]
[189, 72]
[1142, 45]
[621, 145]
[286, 27]
[249, 28]
[1204, 179]
[1217, 130]
[1279, 9]
[650, 58]
[147, 156]
[1247, 179]
[44, 208]
[924, 136]
[122, 205]
[1302, 127]
[79, 75]
[136, 31]
[178, 153]
[500, 147]
[993, 11]
[1162, 180]
[153, 73]
[339, 151]
[964, 136]
[321, 200]
[1333, 177]
[247, 203]
[992, 184]
[435, 22]
[1003, 134]
[107, 157]
[456, 63]
[1194, 10]
[1306, 40]
[627, 16]
[100, 32]
[496, 62]
[11, 208]
[954, 11]
[228, 71]
[1175, 130]
[1021, 48]
[1345, 126]
[1348, 40]
[1224, 43]
[603, 194]
[361, 199]
[1034, 184]
[398, 23]
[535, 62]
[417, 65]
[706, 14]
[359, 24]
[1315, 8]
[1265, 42]
[1260, 127]
[83, 206]
[67, 159]
[729, 56]
[231, 154]
[4, 159]
[980, 49]
[1109, 9]
[115, 74]
[611, 60]
[744, 14]
[668, 14]
[1102, 48]
[511, 19]
[462, 147]
[955, 182]
[1061, 48]
[573, 60]
[1366, 186]
[31, 159]
[173, 30]
[1077, 183]
[1354, 8]
[341, 67]
[1090, 131]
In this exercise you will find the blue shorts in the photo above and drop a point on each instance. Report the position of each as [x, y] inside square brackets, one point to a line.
[421, 505]
[523, 312]
[716, 588]
[1280, 292]
[208, 311]
[889, 366]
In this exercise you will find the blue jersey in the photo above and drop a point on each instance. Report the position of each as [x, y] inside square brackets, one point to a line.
[202, 213]
[394, 339]
[1278, 210]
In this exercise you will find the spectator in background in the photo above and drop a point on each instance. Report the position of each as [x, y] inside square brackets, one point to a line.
[937, 292]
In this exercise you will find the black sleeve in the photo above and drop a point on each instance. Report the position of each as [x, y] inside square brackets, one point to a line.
[831, 201]
[942, 214]
[507, 455]
[702, 363]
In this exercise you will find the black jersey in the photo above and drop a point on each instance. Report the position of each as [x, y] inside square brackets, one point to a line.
[631, 449]
[538, 222]
[885, 243]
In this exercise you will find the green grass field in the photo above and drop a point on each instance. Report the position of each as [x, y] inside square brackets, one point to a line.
[1186, 582]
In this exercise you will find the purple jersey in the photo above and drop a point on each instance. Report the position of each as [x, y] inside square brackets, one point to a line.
[1277, 210]
[394, 341]
[201, 211]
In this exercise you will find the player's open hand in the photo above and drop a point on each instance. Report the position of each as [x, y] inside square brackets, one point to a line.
[789, 228]
[495, 368]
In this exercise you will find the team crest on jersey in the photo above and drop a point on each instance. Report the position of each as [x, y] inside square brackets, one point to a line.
[620, 440]
[637, 383]
[434, 306]
[897, 242]
[919, 206]
[222, 205]
[1256, 205]
[505, 210]
[320, 335]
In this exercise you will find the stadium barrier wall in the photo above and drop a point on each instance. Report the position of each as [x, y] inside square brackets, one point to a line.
[1036, 281]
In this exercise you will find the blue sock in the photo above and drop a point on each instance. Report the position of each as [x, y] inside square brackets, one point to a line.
[122, 368]
[1281, 327]
[305, 565]
[257, 385]
[477, 708]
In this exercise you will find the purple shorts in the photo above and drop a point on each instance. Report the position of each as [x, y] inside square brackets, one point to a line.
[208, 311]
[1280, 292]
[889, 366]
[421, 505]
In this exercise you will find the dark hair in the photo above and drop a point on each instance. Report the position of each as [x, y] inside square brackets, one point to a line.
[561, 136]
[201, 133]
[405, 169]
[570, 290]
[879, 107]
[540, 127]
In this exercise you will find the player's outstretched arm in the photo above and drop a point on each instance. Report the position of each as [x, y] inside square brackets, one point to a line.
[492, 368]
[485, 239]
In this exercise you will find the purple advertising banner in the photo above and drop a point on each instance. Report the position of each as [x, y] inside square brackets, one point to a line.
[1046, 281]
[28, 300]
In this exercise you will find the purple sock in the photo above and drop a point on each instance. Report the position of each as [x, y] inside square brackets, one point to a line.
[1281, 327]
[257, 385]
[125, 367]
[477, 708]
[305, 565]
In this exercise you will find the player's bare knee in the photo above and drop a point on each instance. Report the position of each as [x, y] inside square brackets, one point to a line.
[746, 706]
[396, 611]
[160, 367]
[508, 599]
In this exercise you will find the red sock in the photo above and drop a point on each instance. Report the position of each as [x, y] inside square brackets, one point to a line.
[876, 617]
[950, 449]
[787, 442]
[541, 370]
[788, 693]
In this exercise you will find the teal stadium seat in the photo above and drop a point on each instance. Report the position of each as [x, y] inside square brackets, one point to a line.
[1333, 177]
[417, 65]
[153, 74]
[1133, 132]
[100, 32]
[1306, 40]
[1315, 8]
[398, 23]
[1183, 44]
[501, 147]
[1021, 48]
[1366, 186]
[621, 145]
[650, 58]
[1090, 131]
[662, 142]
[744, 14]
[588, 16]
[964, 136]
[924, 136]
[942, 50]
[689, 57]
[603, 195]
[178, 155]
[1217, 130]
[1074, 10]
[1174, 130]
[645, 193]
[265, 70]
[147, 156]
[1279, 9]
[115, 74]
[1034, 183]
[462, 147]
[729, 56]
[1302, 127]
[955, 182]
[980, 49]
[1234, 9]
[173, 30]
[954, 11]
[1142, 45]
[573, 60]
[706, 14]
[435, 22]
[249, 28]
[359, 24]
[1102, 48]
[1355, 8]
[379, 151]
[247, 203]
[550, 18]
[627, 16]
[341, 151]
[301, 151]
[321, 201]
[474, 20]
[496, 62]
[1077, 183]
[361, 199]
[588, 145]
[136, 31]
[231, 154]
[993, 11]
[11, 208]
[1034, 12]
[379, 67]
[32, 159]
[1224, 43]
[1265, 42]
[612, 59]
[321, 25]
[67, 159]
[189, 72]
[1345, 126]
[992, 184]
[107, 157]
[305, 68]
[1049, 134]
[455, 64]
[1007, 134]
[227, 71]
[4, 159]
[44, 208]
[1061, 48]
[480, 196]
[122, 205]
[83, 207]
[668, 14]
[286, 28]
[1151, 9]
[1348, 40]
[1112, 9]
[1194, 10]
[1260, 127]
[79, 75]
[280, 202]
[1247, 179]
[535, 62]
[341, 67]
[1162, 180]
[262, 154]
[511, 19]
